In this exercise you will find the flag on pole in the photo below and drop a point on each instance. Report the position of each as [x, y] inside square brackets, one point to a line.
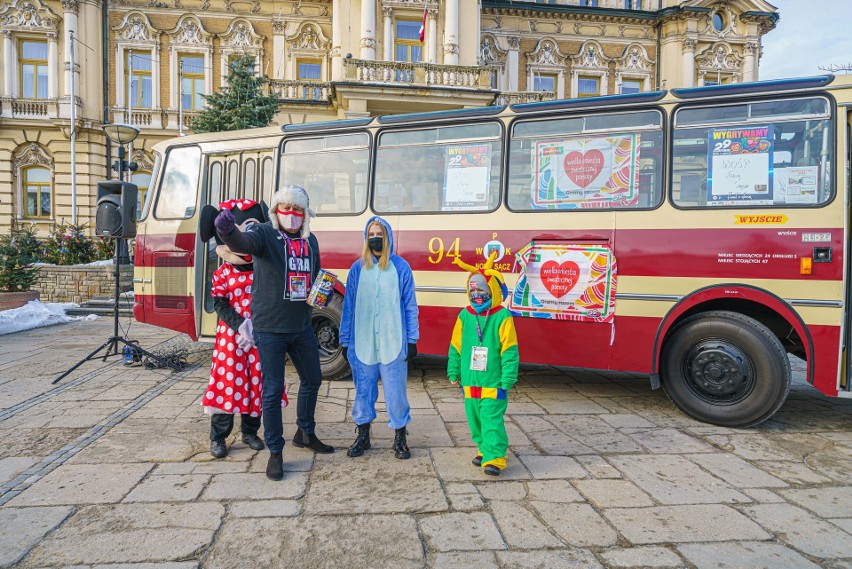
[423, 24]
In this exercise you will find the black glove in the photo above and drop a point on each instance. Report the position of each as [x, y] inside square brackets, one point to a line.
[345, 352]
[412, 351]
[225, 222]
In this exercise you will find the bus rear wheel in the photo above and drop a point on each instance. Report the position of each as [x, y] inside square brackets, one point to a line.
[725, 368]
[326, 325]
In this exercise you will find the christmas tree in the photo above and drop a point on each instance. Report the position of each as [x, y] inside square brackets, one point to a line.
[238, 105]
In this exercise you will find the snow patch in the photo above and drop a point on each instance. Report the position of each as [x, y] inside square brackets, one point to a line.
[36, 314]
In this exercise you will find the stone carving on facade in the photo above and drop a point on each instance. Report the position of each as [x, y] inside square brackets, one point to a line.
[27, 16]
[387, 12]
[689, 45]
[205, 5]
[532, 25]
[229, 5]
[241, 35]
[720, 59]
[309, 40]
[635, 58]
[546, 53]
[728, 18]
[32, 154]
[490, 52]
[144, 161]
[189, 31]
[591, 60]
[177, 4]
[514, 42]
[71, 6]
[297, 9]
[751, 48]
[136, 28]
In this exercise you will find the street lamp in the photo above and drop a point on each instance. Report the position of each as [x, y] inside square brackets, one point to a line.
[121, 134]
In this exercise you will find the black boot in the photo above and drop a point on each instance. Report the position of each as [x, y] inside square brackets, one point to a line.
[218, 448]
[275, 466]
[400, 448]
[362, 441]
[301, 440]
[253, 441]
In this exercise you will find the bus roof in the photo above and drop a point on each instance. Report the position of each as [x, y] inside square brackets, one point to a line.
[590, 102]
[754, 87]
[213, 137]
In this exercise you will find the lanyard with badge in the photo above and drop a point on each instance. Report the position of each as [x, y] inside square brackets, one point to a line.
[479, 355]
[297, 284]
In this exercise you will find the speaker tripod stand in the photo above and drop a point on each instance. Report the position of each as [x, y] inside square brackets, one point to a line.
[112, 344]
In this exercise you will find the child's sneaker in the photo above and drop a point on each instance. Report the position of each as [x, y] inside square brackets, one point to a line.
[492, 470]
[477, 460]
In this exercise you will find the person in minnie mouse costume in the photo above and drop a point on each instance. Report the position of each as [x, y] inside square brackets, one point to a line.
[236, 383]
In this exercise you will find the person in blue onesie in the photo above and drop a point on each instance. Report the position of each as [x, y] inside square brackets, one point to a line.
[379, 332]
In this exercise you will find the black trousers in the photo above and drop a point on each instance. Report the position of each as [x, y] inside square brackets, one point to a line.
[221, 425]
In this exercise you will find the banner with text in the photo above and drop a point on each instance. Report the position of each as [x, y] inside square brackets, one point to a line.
[740, 166]
[467, 175]
[565, 282]
[586, 172]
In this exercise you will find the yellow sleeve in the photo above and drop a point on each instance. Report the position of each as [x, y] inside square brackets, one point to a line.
[454, 354]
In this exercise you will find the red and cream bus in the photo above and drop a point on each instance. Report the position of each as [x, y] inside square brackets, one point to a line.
[698, 235]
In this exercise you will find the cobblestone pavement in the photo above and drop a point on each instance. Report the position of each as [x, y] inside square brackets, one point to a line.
[111, 467]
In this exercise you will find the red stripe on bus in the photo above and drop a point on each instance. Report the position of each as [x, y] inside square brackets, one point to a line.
[729, 253]
[146, 245]
[179, 314]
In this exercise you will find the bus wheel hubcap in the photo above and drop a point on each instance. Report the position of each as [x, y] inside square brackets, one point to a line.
[719, 372]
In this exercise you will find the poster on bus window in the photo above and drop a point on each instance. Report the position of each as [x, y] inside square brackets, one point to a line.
[796, 185]
[740, 166]
[467, 173]
[565, 282]
[590, 172]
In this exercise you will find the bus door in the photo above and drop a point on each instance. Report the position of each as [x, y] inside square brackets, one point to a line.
[230, 176]
[166, 245]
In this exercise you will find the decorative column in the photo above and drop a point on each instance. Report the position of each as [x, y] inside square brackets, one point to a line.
[155, 75]
[512, 59]
[451, 32]
[10, 78]
[70, 10]
[279, 27]
[368, 29]
[388, 37]
[432, 35]
[336, 40]
[52, 65]
[701, 74]
[689, 62]
[749, 53]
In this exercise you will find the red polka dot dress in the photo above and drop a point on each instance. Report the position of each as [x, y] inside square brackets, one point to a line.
[236, 383]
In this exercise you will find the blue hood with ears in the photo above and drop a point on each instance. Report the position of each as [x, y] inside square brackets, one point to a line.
[387, 227]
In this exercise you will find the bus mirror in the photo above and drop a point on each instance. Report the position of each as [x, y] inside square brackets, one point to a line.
[116, 210]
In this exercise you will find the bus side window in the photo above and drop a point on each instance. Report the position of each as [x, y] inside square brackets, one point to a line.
[233, 179]
[214, 189]
[266, 181]
[179, 189]
[248, 180]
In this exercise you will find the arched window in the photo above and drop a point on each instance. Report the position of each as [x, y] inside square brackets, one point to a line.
[38, 200]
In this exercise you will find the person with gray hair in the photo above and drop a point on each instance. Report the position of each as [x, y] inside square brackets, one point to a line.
[286, 262]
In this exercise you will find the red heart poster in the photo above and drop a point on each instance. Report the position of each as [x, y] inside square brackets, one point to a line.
[558, 278]
[583, 168]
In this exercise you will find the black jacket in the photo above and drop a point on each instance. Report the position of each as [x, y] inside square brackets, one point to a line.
[271, 312]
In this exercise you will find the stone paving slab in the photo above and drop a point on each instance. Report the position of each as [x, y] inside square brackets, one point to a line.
[111, 468]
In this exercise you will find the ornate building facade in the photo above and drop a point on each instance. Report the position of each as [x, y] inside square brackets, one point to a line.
[149, 63]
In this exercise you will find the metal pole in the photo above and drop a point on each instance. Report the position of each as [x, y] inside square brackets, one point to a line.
[130, 100]
[73, 137]
[180, 98]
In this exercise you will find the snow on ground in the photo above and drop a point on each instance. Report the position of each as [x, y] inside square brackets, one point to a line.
[36, 314]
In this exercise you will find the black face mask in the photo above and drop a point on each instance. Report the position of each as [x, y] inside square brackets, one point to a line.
[375, 243]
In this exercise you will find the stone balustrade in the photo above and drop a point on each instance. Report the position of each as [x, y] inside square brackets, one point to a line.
[289, 91]
[642, 5]
[29, 108]
[515, 97]
[416, 74]
[79, 283]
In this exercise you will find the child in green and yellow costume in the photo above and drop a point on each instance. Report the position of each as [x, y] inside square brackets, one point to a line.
[484, 356]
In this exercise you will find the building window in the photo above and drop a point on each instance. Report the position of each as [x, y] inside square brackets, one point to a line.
[191, 81]
[544, 82]
[308, 69]
[631, 86]
[32, 62]
[37, 198]
[632, 4]
[718, 22]
[142, 179]
[588, 86]
[407, 46]
[593, 3]
[137, 71]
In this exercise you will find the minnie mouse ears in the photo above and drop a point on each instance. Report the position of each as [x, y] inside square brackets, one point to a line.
[242, 209]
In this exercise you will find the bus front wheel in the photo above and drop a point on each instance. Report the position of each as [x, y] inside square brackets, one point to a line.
[726, 369]
[326, 325]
